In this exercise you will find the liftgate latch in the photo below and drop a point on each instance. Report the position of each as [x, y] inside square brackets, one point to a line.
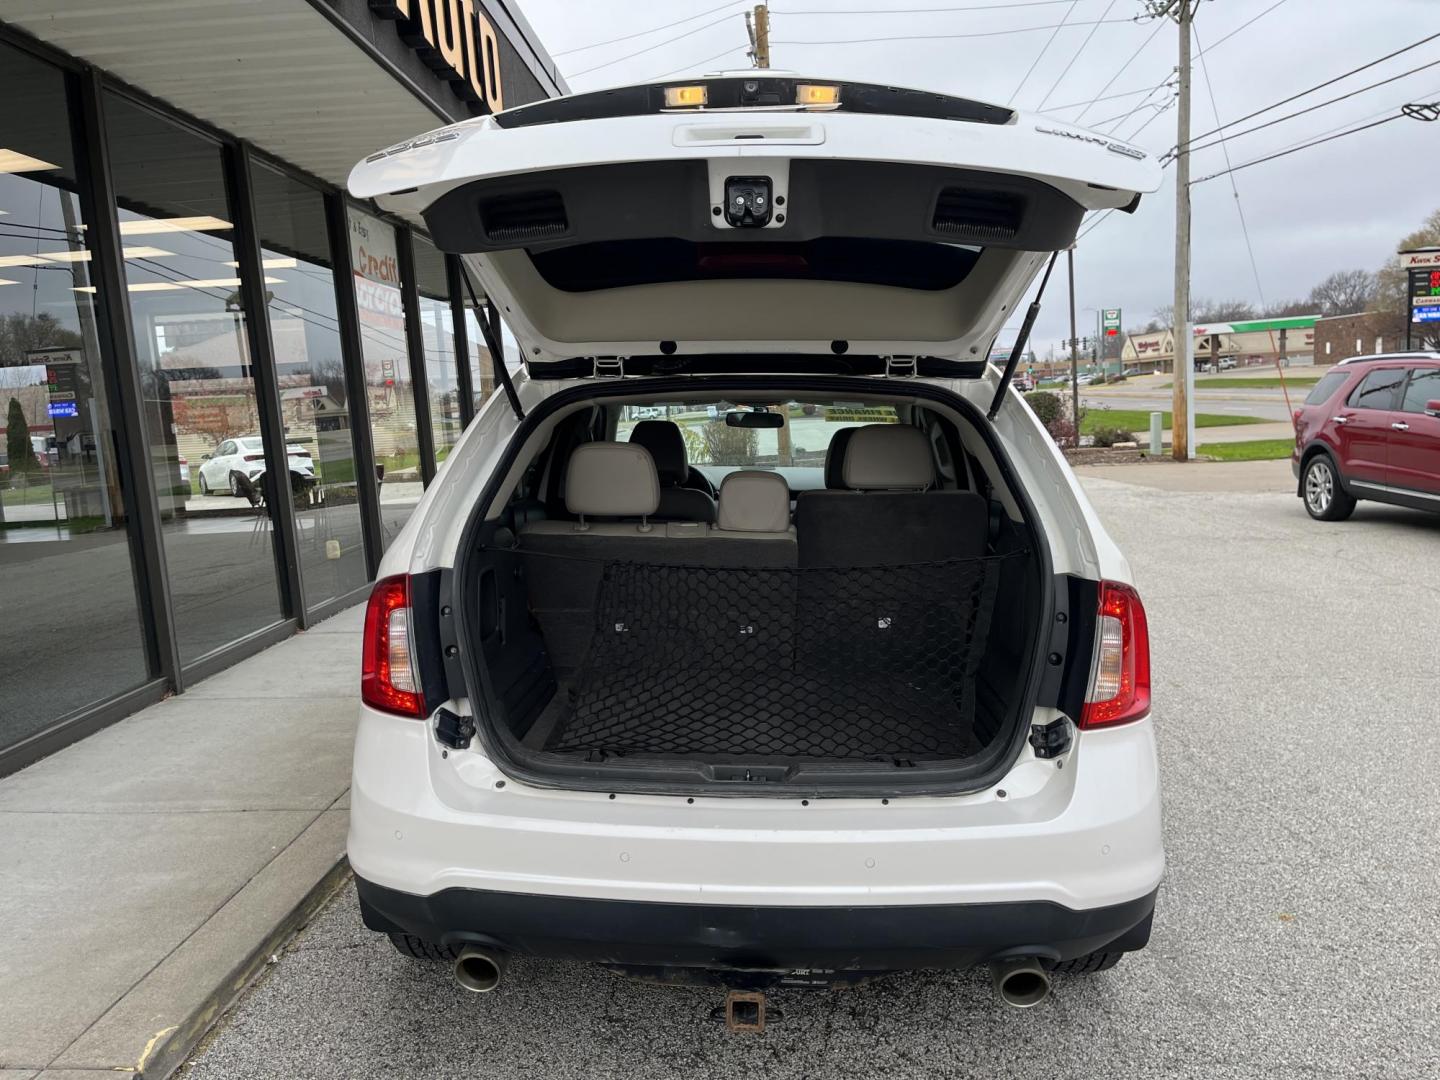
[453, 730]
[1052, 739]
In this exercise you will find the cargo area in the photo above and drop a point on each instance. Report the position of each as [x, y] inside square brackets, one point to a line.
[859, 604]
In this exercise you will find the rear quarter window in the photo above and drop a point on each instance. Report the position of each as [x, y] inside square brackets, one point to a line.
[1378, 389]
[1322, 390]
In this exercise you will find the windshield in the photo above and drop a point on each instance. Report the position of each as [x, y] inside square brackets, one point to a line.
[797, 448]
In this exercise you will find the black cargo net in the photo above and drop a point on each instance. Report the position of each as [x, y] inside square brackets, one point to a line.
[874, 663]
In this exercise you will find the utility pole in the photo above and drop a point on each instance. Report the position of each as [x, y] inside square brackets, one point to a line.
[1182, 407]
[1074, 351]
[758, 25]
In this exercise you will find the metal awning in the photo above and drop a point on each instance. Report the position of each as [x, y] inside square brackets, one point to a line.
[275, 72]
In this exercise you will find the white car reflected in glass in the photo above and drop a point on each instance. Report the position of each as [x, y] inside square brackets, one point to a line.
[239, 464]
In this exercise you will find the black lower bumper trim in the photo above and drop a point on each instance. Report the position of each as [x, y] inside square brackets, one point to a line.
[722, 937]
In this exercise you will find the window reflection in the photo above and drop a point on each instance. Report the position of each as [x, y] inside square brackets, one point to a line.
[201, 412]
[437, 326]
[70, 633]
[390, 390]
[314, 400]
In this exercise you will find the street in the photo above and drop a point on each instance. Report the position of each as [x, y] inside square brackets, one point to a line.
[1295, 692]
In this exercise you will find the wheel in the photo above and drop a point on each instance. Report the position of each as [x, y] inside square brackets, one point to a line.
[1087, 964]
[204, 487]
[235, 491]
[1325, 500]
[420, 949]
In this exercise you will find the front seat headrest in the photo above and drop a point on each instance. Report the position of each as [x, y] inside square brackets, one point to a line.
[835, 459]
[610, 479]
[889, 457]
[752, 500]
[666, 444]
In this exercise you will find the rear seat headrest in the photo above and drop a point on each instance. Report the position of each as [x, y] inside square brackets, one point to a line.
[666, 444]
[888, 457]
[609, 479]
[835, 459]
[754, 501]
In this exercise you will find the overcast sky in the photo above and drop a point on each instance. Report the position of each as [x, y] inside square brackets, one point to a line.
[1337, 206]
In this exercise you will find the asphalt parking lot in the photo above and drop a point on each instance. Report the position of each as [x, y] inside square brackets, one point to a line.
[1297, 688]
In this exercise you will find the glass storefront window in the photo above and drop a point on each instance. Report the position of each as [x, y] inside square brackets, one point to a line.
[201, 413]
[482, 373]
[310, 368]
[390, 389]
[437, 327]
[71, 633]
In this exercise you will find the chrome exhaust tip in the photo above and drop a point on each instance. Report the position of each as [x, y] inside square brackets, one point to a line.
[479, 970]
[1020, 981]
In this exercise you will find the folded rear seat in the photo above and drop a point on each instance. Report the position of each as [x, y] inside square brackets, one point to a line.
[613, 488]
[891, 514]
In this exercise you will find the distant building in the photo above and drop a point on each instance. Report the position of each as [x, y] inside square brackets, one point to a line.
[1343, 336]
[1250, 343]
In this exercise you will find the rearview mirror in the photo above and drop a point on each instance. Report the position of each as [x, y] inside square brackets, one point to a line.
[747, 419]
[1432, 408]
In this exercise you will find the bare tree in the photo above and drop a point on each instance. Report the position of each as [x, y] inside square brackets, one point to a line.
[1223, 310]
[1345, 292]
[1392, 293]
[1281, 309]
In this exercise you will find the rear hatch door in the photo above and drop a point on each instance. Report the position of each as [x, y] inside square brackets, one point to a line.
[753, 229]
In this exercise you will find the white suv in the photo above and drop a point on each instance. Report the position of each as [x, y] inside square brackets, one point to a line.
[757, 632]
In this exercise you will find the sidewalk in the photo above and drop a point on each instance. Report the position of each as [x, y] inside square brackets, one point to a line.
[150, 870]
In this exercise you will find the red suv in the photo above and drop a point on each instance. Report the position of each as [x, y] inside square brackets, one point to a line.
[1370, 429]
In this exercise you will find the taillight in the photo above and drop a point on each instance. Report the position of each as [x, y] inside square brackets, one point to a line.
[254, 457]
[387, 665]
[1120, 679]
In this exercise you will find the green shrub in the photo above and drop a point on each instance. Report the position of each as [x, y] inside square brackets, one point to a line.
[1047, 406]
[1109, 436]
[726, 445]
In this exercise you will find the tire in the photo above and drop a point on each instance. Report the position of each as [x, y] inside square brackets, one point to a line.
[235, 492]
[204, 487]
[1325, 499]
[1087, 964]
[420, 949]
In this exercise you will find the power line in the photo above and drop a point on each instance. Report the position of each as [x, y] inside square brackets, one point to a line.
[1140, 105]
[1243, 25]
[642, 33]
[651, 48]
[1097, 100]
[1159, 25]
[1239, 209]
[925, 11]
[1317, 86]
[940, 37]
[1043, 50]
[698, 63]
[1296, 149]
[1083, 45]
[1312, 108]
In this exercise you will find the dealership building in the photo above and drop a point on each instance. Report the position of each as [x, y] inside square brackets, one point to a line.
[1289, 340]
[224, 384]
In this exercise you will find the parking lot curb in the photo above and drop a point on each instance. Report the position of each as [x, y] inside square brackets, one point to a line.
[173, 1049]
[154, 1028]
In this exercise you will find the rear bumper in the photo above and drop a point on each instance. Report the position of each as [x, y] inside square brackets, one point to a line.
[777, 939]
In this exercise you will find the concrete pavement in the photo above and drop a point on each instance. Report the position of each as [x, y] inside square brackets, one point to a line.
[150, 870]
[1294, 937]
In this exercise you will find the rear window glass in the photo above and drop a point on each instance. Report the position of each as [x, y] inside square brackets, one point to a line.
[802, 442]
[610, 264]
[1424, 388]
[1378, 389]
[1326, 386]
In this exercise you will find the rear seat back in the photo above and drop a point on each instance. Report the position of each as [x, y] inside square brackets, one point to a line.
[890, 514]
[613, 488]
